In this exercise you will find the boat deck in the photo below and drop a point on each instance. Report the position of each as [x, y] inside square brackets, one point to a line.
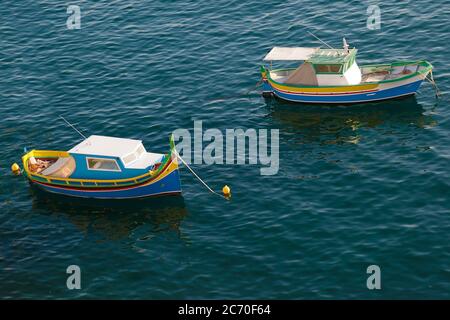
[61, 167]
[387, 72]
[369, 73]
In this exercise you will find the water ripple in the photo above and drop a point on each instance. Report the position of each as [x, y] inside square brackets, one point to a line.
[357, 185]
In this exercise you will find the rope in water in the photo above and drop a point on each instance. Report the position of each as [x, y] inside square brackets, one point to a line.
[258, 84]
[199, 179]
[433, 83]
[246, 93]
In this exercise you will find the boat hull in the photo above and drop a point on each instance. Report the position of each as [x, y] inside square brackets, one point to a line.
[378, 94]
[170, 184]
[167, 185]
[163, 181]
[361, 93]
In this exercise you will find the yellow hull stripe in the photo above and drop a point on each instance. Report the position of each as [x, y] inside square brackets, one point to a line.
[323, 89]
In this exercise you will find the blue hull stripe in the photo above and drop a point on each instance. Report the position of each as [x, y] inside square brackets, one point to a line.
[390, 93]
[168, 185]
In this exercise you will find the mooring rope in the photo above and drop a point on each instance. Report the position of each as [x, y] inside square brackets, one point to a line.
[259, 83]
[199, 179]
[433, 83]
[246, 93]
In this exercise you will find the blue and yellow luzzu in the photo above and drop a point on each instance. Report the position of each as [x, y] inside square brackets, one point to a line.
[104, 168]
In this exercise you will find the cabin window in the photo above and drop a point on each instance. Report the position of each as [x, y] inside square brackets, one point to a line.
[102, 164]
[328, 68]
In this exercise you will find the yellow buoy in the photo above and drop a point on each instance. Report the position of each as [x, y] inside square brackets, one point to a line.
[15, 169]
[226, 191]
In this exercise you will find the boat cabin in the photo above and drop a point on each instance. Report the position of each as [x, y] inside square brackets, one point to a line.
[335, 67]
[99, 157]
[321, 67]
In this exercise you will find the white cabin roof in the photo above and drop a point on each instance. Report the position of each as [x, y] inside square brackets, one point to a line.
[106, 146]
[290, 54]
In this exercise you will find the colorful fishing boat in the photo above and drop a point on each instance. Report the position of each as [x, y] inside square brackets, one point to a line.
[332, 76]
[104, 168]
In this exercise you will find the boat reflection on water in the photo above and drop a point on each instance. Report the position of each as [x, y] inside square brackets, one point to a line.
[114, 219]
[340, 124]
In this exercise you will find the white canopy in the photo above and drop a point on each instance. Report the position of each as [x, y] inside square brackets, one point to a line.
[106, 146]
[290, 54]
[132, 152]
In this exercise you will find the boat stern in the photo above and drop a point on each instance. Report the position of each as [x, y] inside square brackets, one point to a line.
[40, 154]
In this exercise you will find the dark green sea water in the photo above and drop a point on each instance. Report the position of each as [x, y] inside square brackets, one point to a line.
[358, 185]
